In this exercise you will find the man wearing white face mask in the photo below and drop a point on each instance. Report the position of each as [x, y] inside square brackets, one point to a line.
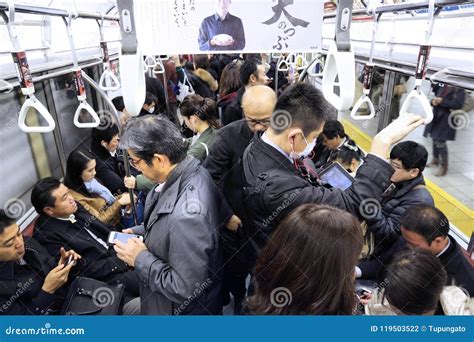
[273, 187]
[149, 106]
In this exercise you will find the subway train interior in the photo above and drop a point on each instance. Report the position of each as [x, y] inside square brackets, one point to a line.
[74, 70]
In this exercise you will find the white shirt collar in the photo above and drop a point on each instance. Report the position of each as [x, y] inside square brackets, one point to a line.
[71, 218]
[266, 140]
[445, 248]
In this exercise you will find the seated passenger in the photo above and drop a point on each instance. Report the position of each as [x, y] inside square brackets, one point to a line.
[31, 283]
[223, 164]
[415, 280]
[179, 261]
[350, 156]
[408, 158]
[307, 266]
[425, 227]
[329, 141]
[90, 193]
[200, 116]
[272, 187]
[64, 223]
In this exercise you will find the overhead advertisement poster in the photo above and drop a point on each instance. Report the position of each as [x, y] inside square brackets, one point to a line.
[228, 26]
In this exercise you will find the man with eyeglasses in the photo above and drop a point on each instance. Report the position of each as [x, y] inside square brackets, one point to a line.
[178, 261]
[223, 163]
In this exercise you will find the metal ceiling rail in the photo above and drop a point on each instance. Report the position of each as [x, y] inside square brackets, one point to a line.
[405, 6]
[56, 12]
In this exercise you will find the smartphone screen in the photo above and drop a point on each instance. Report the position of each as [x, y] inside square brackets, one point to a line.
[122, 237]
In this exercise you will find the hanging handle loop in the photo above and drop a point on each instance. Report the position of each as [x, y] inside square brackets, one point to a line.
[149, 63]
[420, 73]
[159, 68]
[108, 81]
[25, 79]
[79, 82]
[340, 61]
[368, 73]
[339, 64]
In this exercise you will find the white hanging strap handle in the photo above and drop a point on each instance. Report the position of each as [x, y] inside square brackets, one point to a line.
[368, 74]
[149, 63]
[159, 68]
[133, 82]
[107, 77]
[32, 102]
[420, 73]
[84, 106]
[423, 100]
[283, 65]
[25, 80]
[339, 64]
[130, 60]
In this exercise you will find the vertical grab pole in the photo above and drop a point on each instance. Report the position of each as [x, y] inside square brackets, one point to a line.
[132, 74]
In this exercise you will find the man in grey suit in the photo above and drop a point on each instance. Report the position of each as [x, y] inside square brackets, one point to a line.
[178, 261]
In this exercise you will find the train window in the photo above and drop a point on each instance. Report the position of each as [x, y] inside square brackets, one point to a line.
[25, 157]
[366, 128]
[448, 139]
[65, 103]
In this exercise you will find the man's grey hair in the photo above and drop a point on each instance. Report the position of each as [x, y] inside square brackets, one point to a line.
[154, 134]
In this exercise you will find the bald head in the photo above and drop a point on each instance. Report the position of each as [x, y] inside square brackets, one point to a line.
[258, 104]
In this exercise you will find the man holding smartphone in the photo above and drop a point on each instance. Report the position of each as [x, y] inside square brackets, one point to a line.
[30, 282]
[178, 262]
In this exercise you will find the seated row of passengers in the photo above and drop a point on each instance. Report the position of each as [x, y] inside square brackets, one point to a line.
[245, 210]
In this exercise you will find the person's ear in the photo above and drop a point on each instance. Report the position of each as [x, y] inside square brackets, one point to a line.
[104, 143]
[160, 160]
[48, 211]
[414, 172]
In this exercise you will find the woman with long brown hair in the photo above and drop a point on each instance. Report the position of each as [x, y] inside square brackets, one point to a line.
[307, 266]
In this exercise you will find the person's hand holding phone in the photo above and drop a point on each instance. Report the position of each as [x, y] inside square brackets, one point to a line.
[68, 257]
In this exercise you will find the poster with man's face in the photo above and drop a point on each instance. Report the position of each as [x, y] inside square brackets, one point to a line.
[228, 26]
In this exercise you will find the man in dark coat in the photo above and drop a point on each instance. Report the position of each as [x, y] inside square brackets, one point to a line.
[178, 262]
[30, 282]
[109, 168]
[64, 223]
[408, 158]
[252, 73]
[272, 186]
[224, 166]
[424, 226]
[444, 124]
